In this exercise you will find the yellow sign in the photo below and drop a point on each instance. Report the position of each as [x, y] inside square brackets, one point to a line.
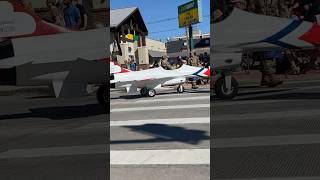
[189, 17]
[190, 13]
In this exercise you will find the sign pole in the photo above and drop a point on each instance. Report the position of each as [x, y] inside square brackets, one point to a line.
[190, 38]
[187, 39]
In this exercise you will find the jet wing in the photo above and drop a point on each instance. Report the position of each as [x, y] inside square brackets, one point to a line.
[133, 86]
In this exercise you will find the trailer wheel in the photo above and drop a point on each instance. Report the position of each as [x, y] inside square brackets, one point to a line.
[102, 95]
[144, 92]
[180, 89]
[151, 92]
[224, 93]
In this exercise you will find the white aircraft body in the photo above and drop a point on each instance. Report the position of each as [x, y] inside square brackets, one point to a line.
[150, 80]
[242, 30]
[35, 52]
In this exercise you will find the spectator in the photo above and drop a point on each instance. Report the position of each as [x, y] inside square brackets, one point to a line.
[53, 15]
[206, 60]
[27, 5]
[268, 70]
[307, 13]
[133, 66]
[193, 60]
[72, 15]
[84, 17]
[179, 62]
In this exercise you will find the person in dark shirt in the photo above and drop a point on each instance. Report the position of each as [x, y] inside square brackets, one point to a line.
[83, 14]
[133, 66]
[71, 15]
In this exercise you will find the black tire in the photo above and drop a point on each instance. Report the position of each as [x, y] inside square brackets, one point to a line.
[151, 92]
[102, 95]
[219, 88]
[180, 89]
[143, 92]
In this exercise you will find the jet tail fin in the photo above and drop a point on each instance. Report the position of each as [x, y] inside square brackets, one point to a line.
[21, 22]
[116, 68]
[69, 89]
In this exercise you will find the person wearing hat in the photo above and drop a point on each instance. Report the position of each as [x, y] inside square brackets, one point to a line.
[52, 15]
[164, 62]
[267, 60]
[193, 60]
[72, 16]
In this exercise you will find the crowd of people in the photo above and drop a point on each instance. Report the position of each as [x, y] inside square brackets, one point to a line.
[271, 62]
[130, 64]
[203, 60]
[307, 10]
[193, 59]
[70, 14]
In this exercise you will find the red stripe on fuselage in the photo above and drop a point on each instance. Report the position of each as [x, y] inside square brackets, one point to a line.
[312, 36]
[207, 73]
[42, 28]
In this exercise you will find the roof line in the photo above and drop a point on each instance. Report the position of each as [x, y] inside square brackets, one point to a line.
[125, 7]
[136, 9]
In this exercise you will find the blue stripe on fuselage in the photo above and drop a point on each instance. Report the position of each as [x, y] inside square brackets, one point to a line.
[198, 72]
[275, 39]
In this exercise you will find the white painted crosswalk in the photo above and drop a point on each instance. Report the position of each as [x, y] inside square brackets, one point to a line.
[173, 107]
[171, 153]
[195, 120]
[161, 157]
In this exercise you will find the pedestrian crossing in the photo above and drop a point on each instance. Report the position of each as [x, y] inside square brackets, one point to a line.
[270, 134]
[170, 129]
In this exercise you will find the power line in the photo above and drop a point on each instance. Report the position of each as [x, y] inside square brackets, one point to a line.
[168, 19]
[162, 20]
[167, 30]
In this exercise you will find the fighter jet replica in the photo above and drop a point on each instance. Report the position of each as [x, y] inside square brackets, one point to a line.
[241, 30]
[150, 80]
[35, 52]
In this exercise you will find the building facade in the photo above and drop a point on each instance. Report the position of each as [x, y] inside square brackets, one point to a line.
[178, 46]
[142, 50]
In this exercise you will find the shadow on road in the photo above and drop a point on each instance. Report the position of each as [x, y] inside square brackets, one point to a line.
[138, 96]
[165, 133]
[288, 96]
[262, 92]
[60, 113]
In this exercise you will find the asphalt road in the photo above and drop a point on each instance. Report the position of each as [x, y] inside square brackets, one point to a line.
[162, 138]
[263, 133]
[268, 133]
[43, 138]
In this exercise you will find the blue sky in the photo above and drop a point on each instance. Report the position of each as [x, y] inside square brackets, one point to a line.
[155, 10]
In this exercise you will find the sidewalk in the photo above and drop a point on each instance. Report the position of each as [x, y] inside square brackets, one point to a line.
[254, 77]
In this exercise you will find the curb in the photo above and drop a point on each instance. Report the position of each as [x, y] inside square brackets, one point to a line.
[25, 90]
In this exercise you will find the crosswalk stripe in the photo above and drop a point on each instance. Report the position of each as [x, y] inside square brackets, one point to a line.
[160, 157]
[300, 81]
[266, 141]
[268, 115]
[162, 100]
[277, 178]
[160, 108]
[54, 151]
[249, 102]
[200, 120]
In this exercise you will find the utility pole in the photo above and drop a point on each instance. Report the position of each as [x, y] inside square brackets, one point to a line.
[190, 38]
